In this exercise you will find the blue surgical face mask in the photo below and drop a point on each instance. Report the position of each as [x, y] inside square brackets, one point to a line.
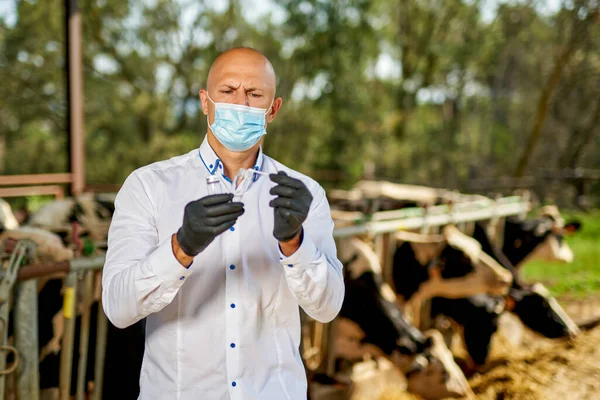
[238, 127]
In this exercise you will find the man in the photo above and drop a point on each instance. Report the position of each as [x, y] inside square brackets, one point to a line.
[220, 281]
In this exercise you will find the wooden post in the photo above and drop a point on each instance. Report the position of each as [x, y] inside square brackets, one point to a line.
[66, 356]
[75, 96]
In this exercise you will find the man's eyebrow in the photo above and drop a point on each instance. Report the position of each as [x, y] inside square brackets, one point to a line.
[230, 86]
[236, 87]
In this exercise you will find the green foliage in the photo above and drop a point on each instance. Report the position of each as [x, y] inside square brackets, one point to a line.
[460, 95]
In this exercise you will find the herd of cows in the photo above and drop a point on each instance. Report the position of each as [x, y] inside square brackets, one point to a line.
[469, 276]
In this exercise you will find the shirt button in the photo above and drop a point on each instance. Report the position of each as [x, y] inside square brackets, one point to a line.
[232, 229]
[233, 383]
[232, 345]
[232, 305]
[210, 166]
[182, 278]
[232, 267]
[290, 265]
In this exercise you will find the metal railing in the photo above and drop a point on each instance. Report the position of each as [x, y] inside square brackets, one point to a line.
[380, 224]
[26, 326]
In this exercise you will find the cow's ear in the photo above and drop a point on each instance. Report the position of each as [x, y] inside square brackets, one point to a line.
[572, 227]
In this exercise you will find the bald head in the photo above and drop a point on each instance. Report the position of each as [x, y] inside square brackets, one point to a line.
[240, 76]
[242, 62]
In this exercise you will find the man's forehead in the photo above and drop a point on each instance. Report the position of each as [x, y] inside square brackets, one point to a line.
[246, 68]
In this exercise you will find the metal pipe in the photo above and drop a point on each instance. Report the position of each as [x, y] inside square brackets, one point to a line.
[101, 334]
[66, 356]
[84, 263]
[26, 340]
[84, 335]
[432, 220]
[36, 270]
[75, 96]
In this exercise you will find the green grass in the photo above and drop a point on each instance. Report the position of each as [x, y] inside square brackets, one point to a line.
[580, 278]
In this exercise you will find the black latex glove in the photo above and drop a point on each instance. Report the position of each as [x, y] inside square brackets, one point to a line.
[290, 206]
[205, 219]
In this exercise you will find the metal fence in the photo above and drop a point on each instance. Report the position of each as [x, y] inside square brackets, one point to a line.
[18, 282]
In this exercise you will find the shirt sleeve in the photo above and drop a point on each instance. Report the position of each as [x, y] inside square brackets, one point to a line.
[140, 276]
[313, 272]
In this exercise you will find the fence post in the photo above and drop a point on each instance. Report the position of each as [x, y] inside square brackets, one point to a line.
[66, 356]
[387, 258]
[84, 335]
[330, 351]
[101, 336]
[26, 340]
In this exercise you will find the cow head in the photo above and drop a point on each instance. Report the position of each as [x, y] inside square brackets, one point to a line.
[541, 238]
[541, 313]
[452, 265]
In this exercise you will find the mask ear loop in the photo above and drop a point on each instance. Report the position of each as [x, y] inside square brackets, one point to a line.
[269, 109]
[208, 114]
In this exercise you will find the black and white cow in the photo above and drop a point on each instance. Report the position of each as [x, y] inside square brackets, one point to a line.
[452, 265]
[538, 239]
[533, 304]
[370, 322]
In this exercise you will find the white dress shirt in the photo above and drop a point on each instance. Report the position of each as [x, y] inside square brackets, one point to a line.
[227, 327]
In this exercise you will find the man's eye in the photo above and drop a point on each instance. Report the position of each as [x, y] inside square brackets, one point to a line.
[255, 95]
[227, 91]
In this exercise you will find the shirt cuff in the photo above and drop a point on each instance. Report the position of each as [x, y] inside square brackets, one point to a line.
[166, 266]
[304, 256]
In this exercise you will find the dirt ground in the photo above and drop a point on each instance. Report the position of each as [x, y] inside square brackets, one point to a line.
[545, 369]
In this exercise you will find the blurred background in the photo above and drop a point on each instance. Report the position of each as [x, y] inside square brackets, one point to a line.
[480, 96]
[441, 93]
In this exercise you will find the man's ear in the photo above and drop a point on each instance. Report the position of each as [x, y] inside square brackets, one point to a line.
[204, 101]
[274, 109]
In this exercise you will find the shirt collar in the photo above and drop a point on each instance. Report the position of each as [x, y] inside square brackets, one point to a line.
[213, 164]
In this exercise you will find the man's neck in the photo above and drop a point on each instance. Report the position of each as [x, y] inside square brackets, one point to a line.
[232, 161]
